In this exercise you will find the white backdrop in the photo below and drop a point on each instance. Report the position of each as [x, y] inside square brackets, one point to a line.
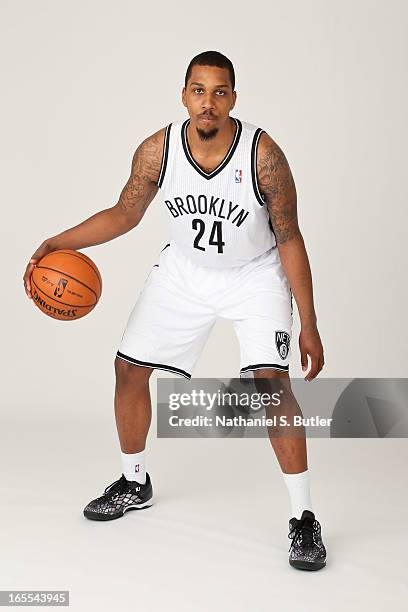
[82, 87]
[83, 82]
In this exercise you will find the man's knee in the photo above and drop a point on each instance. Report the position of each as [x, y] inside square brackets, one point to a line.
[127, 372]
[270, 380]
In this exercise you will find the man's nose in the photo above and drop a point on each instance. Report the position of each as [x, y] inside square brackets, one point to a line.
[207, 102]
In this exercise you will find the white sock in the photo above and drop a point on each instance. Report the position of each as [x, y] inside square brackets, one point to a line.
[133, 466]
[299, 491]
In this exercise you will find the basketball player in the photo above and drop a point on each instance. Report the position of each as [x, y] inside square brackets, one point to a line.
[235, 252]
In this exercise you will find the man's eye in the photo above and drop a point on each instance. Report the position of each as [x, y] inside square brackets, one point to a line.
[218, 91]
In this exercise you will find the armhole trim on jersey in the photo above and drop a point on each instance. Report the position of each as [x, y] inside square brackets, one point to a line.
[254, 151]
[165, 156]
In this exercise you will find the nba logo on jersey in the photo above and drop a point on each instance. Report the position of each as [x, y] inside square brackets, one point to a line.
[238, 176]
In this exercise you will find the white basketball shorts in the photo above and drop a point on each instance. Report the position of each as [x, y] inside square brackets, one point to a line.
[180, 302]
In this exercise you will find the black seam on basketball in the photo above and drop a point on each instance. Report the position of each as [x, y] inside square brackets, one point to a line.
[226, 159]
[94, 268]
[261, 366]
[254, 148]
[62, 303]
[165, 156]
[159, 366]
[69, 276]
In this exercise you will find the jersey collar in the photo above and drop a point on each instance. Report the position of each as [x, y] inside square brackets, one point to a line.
[230, 152]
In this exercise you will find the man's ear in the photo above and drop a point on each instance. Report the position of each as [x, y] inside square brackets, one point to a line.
[234, 99]
[183, 96]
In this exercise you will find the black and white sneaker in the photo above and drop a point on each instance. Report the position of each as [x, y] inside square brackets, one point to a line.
[119, 497]
[307, 551]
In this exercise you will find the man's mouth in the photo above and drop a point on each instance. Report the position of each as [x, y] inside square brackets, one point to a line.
[206, 118]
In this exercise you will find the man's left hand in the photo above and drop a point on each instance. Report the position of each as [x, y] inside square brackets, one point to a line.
[310, 344]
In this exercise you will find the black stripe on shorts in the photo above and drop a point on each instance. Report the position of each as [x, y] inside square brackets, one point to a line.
[156, 366]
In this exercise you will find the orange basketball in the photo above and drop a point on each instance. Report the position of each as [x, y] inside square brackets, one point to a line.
[66, 285]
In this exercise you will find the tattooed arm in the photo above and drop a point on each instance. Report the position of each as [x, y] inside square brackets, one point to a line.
[142, 186]
[276, 183]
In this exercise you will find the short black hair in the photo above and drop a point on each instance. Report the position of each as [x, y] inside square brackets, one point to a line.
[211, 58]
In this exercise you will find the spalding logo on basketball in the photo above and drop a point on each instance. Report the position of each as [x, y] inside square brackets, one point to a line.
[282, 341]
[66, 285]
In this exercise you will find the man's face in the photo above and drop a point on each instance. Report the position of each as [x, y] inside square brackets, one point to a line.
[209, 99]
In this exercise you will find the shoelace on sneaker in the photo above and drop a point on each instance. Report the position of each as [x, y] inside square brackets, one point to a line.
[304, 530]
[116, 487]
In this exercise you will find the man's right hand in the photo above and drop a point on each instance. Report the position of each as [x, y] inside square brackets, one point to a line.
[40, 252]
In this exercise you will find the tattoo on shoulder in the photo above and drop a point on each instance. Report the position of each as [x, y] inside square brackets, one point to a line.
[277, 186]
[141, 186]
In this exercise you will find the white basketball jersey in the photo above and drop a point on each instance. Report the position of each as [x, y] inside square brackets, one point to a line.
[217, 219]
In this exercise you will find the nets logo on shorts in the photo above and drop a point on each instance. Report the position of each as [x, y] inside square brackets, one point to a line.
[282, 341]
[238, 176]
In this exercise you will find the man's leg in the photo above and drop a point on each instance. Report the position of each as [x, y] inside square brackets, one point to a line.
[133, 412]
[133, 490]
[289, 443]
[133, 408]
[307, 550]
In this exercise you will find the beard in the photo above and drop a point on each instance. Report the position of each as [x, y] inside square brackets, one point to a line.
[207, 135]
